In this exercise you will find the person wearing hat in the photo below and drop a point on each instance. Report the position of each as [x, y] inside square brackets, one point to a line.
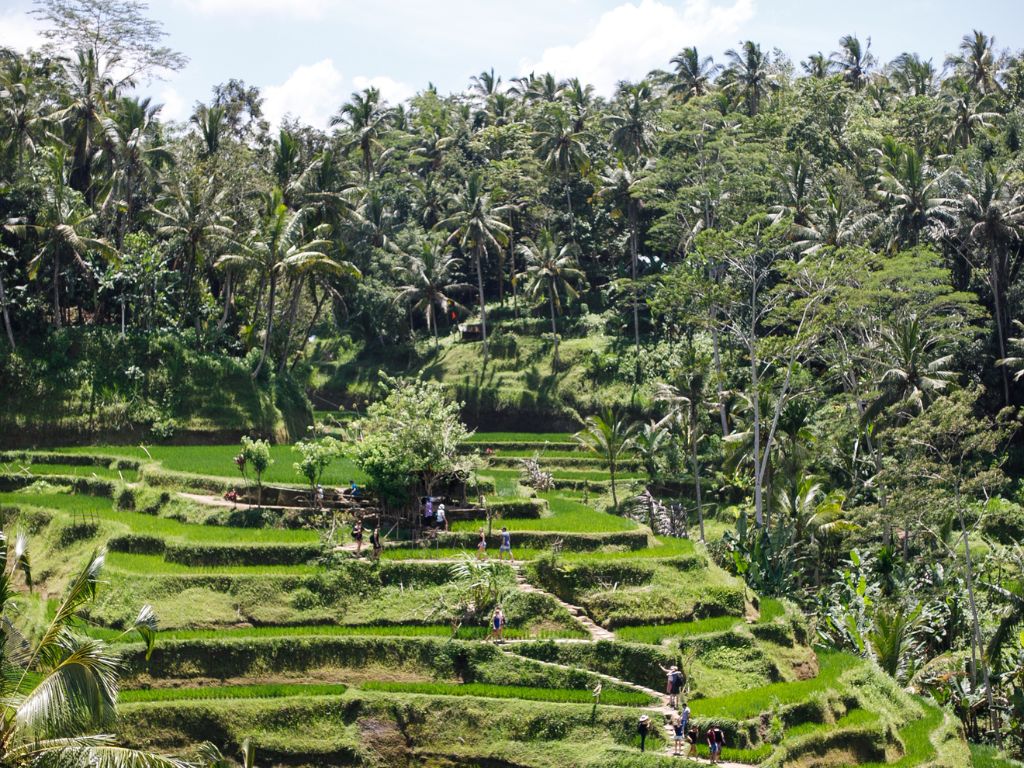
[643, 728]
[673, 683]
[440, 517]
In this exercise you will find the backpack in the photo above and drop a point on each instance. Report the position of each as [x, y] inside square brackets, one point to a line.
[677, 679]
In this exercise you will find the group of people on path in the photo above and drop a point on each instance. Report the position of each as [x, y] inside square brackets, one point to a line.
[434, 516]
[503, 548]
[685, 736]
[357, 537]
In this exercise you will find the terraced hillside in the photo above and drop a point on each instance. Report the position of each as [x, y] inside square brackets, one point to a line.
[324, 657]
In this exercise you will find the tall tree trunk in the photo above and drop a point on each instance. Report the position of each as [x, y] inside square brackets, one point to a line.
[227, 303]
[56, 290]
[611, 474]
[270, 324]
[6, 314]
[634, 256]
[722, 414]
[997, 302]
[318, 306]
[512, 264]
[554, 327]
[480, 293]
[696, 480]
[293, 308]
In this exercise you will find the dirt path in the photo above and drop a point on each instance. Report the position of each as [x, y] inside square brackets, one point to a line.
[595, 631]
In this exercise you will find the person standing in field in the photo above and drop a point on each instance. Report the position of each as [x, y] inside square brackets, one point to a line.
[643, 727]
[481, 546]
[678, 733]
[498, 625]
[506, 545]
[716, 740]
[375, 542]
[357, 535]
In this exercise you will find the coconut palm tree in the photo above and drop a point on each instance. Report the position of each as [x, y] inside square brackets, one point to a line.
[966, 112]
[134, 155]
[749, 75]
[913, 75]
[622, 186]
[817, 65]
[992, 209]
[854, 60]
[366, 117]
[278, 245]
[22, 124]
[910, 189]
[429, 280]
[562, 150]
[913, 374]
[610, 436]
[632, 125]
[978, 62]
[551, 269]
[476, 226]
[62, 231]
[59, 692]
[91, 87]
[693, 75]
[211, 122]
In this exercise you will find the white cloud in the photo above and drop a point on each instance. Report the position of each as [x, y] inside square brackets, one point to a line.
[392, 91]
[311, 94]
[307, 9]
[174, 106]
[634, 38]
[19, 31]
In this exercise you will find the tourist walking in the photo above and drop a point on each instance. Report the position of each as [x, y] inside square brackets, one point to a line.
[357, 535]
[498, 625]
[679, 735]
[428, 511]
[481, 546]
[506, 545]
[716, 740]
[441, 517]
[684, 716]
[673, 683]
[375, 542]
[643, 727]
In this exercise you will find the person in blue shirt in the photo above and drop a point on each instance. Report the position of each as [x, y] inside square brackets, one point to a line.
[506, 545]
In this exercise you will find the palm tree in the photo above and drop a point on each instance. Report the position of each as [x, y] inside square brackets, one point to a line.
[366, 117]
[278, 244]
[817, 65]
[993, 209]
[551, 269]
[60, 692]
[749, 75]
[1012, 613]
[913, 375]
[211, 122]
[189, 214]
[693, 74]
[430, 278]
[914, 75]
[854, 60]
[978, 61]
[966, 112]
[633, 128]
[62, 231]
[580, 99]
[562, 150]
[610, 436]
[22, 124]
[135, 157]
[683, 409]
[910, 189]
[476, 225]
[622, 186]
[91, 87]
[485, 85]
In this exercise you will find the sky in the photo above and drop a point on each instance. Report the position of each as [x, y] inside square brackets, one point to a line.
[307, 56]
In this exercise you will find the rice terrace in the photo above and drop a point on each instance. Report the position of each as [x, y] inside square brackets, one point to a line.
[649, 399]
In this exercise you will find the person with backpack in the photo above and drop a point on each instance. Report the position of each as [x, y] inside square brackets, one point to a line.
[716, 740]
[643, 727]
[673, 683]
